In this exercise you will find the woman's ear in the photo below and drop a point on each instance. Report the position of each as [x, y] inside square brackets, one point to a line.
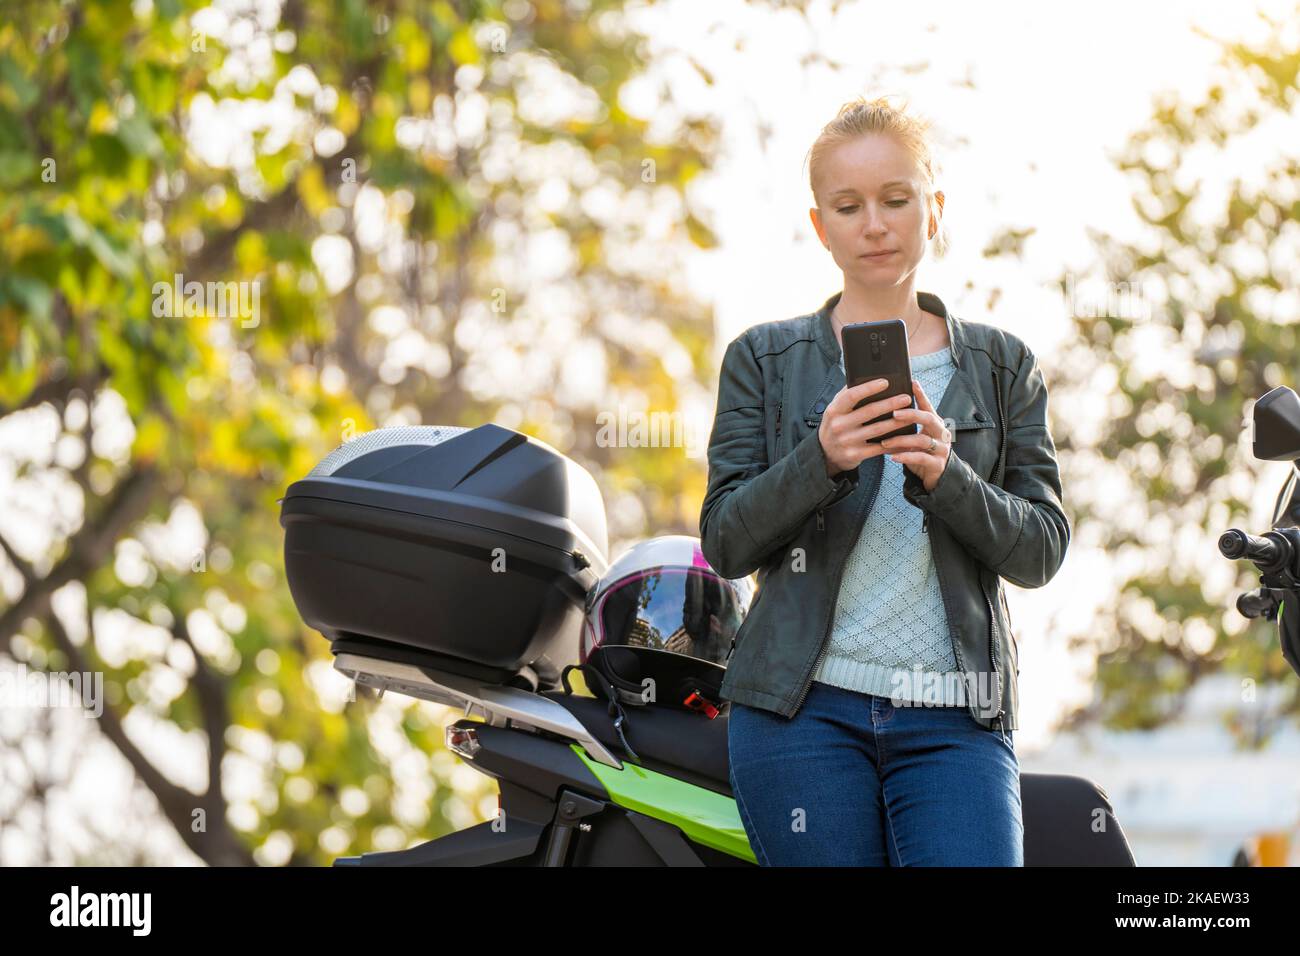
[815, 215]
[938, 201]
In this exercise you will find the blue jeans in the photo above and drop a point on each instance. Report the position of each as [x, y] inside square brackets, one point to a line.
[856, 780]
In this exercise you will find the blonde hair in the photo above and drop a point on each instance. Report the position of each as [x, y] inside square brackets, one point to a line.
[860, 117]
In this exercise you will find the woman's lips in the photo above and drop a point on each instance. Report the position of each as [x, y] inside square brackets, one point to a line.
[877, 256]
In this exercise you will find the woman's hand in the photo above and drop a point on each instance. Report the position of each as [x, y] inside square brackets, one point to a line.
[846, 440]
[924, 454]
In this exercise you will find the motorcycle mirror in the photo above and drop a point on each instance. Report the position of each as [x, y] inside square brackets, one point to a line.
[1276, 421]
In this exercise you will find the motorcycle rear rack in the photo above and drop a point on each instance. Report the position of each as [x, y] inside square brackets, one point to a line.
[497, 703]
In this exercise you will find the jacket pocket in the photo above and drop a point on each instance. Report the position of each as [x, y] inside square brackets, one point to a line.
[748, 652]
[776, 432]
[976, 443]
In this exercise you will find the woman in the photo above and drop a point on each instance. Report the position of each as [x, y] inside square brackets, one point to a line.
[884, 756]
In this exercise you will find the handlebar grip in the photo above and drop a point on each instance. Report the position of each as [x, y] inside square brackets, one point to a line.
[1237, 544]
[1257, 603]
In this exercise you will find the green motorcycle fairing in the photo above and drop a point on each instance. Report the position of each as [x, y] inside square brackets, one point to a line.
[704, 816]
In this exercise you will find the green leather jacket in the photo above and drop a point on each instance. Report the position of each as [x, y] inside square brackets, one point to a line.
[770, 508]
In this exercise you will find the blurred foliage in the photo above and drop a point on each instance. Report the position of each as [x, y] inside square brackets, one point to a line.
[446, 211]
[1202, 320]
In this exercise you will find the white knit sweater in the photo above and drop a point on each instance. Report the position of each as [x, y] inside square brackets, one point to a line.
[890, 632]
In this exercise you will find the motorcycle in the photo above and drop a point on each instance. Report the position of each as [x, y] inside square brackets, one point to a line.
[452, 565]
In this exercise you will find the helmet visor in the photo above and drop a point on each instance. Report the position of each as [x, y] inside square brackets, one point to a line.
[686, 611]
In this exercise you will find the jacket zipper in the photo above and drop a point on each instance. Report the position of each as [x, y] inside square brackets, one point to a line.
[993, 658]
[1002, 439]
[993, 621]
[821, 521]
[830, 617]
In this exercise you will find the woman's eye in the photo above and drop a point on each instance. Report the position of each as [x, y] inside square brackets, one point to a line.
[894, 203]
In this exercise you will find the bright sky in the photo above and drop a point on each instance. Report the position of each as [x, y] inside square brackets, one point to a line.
[1057, 91]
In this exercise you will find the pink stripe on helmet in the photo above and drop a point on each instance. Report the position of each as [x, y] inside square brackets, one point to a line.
[698, 560]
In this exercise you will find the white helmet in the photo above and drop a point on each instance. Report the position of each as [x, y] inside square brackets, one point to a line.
[662, 594]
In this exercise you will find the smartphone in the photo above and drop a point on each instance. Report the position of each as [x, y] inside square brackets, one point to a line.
[875, 350]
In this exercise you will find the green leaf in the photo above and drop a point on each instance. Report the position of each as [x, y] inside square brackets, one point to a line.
[31, 294]
[139, 136]
[111, 157]
[99, 245]
[18, 169]
[23, 90]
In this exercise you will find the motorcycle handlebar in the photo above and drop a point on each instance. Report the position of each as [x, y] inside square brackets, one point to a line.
[1237, 544]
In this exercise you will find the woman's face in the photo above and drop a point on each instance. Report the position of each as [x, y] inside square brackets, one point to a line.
[872, 198]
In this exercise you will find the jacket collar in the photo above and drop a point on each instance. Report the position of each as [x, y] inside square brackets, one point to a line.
[961, 401]
[926, 300]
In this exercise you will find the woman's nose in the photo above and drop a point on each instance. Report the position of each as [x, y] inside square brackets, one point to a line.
[875, 222]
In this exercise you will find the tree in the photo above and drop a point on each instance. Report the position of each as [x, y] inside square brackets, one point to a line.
[1202, 320]
[392, 212]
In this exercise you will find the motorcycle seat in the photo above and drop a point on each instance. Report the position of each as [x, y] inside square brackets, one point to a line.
[681, 743]
[1069, 822]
